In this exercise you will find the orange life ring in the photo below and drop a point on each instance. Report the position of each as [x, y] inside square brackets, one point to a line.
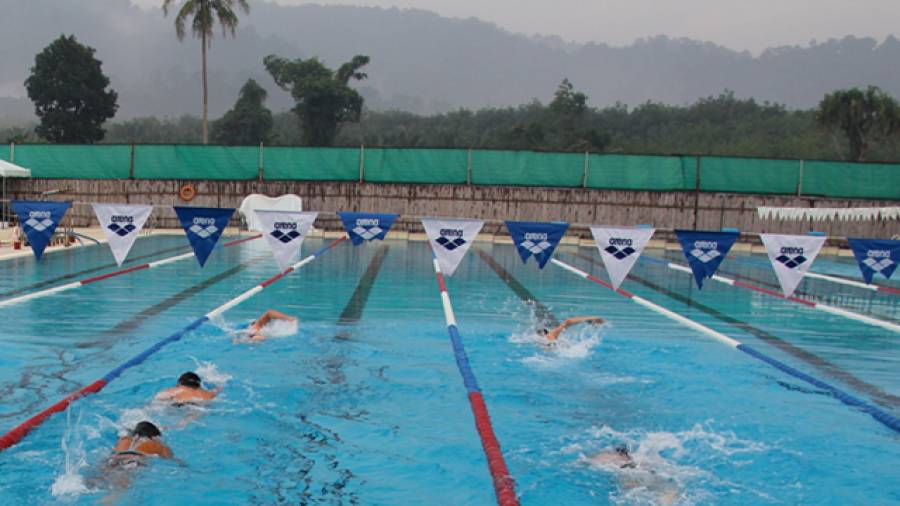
[187, 192]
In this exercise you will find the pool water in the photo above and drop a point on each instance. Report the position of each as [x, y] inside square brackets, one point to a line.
[363, 404]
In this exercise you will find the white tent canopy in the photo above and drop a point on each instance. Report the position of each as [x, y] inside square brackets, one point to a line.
[12, 170]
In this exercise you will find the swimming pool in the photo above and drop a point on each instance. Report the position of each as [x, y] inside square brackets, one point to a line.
[364, 405]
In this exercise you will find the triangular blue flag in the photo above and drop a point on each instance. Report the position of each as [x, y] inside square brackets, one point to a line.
[363, 227]
[875, 255]
[537, 239]
[39, 220]
[203, 226]
[705, 250]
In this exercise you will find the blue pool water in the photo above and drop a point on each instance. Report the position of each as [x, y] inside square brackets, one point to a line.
[364, 404]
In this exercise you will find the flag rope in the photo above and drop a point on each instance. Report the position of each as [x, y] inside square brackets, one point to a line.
[881, 416]
[504, 484]
[16, 435]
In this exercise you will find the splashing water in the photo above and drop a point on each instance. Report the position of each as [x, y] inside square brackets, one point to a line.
[662, 473]
[210, 373]
[71, 482]
[281, 328]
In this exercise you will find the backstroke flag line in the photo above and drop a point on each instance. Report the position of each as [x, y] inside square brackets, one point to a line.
[203, 226]
[705, 250]
[450, 239]
[537, 239]
[122, 223]
[285, 232]
[39, 220]
[620, 248]
[791, 257]
[362, 227]
[875, 256]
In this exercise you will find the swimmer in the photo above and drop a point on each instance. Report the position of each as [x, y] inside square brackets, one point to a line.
[188, 391]
[256, 329]
[553, 335]
[131, 452]
[632, 475]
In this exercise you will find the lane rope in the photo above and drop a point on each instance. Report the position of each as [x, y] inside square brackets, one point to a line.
[16, 435]
[94, 279]
[881, 416]
[504, 484]
[808, 303]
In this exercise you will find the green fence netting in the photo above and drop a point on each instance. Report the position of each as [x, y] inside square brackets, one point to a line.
[459, 166]
[625, 172]
[196, 162]
[748, 175]
[74, 162]
[413, 165]
[851, 180]
[527, 168]
[311, 164]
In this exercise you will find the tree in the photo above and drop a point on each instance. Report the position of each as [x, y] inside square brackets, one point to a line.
[567, 101]
[69, 91]
[324, 99]
[863, 116]
[249, 122]
[202, 15]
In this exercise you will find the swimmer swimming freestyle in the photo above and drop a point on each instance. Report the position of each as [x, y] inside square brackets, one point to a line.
[188, 391]
[553, 335]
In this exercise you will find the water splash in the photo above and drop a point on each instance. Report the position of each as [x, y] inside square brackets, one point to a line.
[210, 373]
[71, 482]
[281, 328]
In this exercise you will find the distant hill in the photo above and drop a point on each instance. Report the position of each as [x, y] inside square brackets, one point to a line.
[421, 62]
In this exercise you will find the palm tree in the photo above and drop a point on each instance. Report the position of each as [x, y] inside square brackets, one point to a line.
[202, 15]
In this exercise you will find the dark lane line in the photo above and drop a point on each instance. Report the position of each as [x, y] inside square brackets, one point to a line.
[879, 395]
[353, 310]
[74, 275]
[543, 313]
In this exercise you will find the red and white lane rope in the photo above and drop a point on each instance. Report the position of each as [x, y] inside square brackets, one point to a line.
[101, 277]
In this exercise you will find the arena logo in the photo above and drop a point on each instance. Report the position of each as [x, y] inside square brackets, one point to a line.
[706, 251]
[39, 220]
[445, 238]
[536, 242]
[285, 237]
[791, 256]
[203, 226]
[121, 230]
[617, 251]
[368, 228]
[878, 260]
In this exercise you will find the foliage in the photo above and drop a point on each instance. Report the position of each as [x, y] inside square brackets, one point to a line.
[202, 15]
[324, 98]
[863, 117]
[150, 130]
[69, 91]
[249, 122]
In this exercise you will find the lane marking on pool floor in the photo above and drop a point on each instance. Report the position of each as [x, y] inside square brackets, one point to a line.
[542, 312]
[18, 433]
[810, 304]
[353, 310]
[102, 277]
[504, 484]
[880, 396]
[878, 414]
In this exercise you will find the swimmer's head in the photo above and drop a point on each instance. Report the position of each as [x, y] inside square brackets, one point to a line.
[189, 380]
[543, 332]
[623, 451]
[145, 429]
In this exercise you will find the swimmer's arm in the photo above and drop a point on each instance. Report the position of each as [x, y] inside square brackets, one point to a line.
[277, 315]
[166, 452]
[554, 334]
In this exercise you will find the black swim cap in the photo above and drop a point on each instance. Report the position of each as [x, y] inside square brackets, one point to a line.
[622, 450]
[146, 429]
[543, 331]
[189, 380]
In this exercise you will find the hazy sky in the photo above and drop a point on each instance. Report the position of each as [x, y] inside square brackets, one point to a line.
[738, 24]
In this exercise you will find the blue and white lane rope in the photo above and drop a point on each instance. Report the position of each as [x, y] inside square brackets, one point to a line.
[883, 417]
[17, 434]
[504, 484]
